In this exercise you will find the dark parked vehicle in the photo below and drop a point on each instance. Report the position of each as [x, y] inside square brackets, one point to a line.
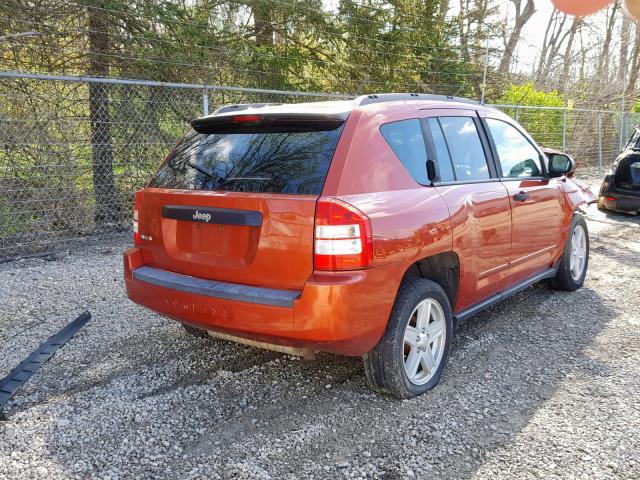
[620, 190]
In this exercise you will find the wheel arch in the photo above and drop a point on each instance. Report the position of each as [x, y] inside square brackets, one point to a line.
[578, 194]
[442, 268]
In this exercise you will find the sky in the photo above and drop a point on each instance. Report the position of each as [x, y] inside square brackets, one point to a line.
[533, 33]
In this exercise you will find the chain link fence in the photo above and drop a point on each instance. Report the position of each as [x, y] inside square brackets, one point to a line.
[74, 150]
[593, 137]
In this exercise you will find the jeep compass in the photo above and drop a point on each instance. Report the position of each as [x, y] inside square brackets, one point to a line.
[362, 227]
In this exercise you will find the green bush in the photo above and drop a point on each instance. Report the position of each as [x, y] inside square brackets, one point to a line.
[543, 124]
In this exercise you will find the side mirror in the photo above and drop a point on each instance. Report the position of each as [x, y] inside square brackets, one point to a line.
[561, 164]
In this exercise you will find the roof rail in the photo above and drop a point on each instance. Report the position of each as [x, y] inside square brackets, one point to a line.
[242, 106]
[398, 97]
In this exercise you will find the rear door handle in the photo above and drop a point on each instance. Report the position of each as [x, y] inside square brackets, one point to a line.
[521, 197]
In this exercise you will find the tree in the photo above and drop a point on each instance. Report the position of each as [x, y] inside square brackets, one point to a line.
[550, 46]
[522, 16]
[262, 24]
[634, 61]
[604, 54]
[108, 207]
[567, 60]
[625, 33]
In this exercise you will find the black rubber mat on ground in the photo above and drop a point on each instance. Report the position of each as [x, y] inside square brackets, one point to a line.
[10, 384]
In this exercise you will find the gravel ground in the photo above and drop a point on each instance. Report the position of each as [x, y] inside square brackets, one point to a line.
[544, 385]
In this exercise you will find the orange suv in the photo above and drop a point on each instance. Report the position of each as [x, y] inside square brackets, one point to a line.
[362, 227]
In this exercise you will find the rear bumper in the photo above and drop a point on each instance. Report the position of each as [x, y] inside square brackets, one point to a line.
[620, 200]
[215, 289]
[621, 204]
[344, 312]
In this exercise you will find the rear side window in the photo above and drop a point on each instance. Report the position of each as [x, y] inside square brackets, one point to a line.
[407, 141]
[467, 155]
[518, 158]
[294, 163]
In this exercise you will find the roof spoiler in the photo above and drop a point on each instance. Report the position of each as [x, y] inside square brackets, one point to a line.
[281, 122]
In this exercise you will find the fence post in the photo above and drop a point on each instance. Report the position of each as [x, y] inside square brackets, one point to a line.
[517, 113]
[564, 129]
[599, 142]
[620, 142]
[484, 75]
[205, 101]
[622, 132]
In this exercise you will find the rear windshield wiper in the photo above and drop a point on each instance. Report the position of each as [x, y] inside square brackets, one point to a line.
[250, 179]
[221, 182]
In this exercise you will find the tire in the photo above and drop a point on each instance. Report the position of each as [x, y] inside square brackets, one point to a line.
[384, 365]
[195, 331]
[566, 278]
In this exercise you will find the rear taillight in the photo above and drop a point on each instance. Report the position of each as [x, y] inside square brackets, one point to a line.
[136, 233]
[343, 238]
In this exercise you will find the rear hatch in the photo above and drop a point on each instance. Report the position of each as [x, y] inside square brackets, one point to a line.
[627, 174]
[235, 200]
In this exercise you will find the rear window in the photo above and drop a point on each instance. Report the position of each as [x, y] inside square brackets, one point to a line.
[294, 163]
[633, 141]
[407, 142]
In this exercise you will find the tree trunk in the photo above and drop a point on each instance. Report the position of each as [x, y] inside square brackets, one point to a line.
[624, 48]
[462, 34]
[550, 47]
[577, 21]
[554, 51]
[545, 45]
[264, 31]
[522, 17]
[634, 61]
[603, 61]
[108, 205]
[262, 24]
[443, 8]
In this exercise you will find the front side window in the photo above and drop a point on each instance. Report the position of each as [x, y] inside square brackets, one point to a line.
[518, 158]
[407, 141]
[465, 148]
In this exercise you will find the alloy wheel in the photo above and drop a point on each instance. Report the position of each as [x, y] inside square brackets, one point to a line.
[578, 258]
[424, 341]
